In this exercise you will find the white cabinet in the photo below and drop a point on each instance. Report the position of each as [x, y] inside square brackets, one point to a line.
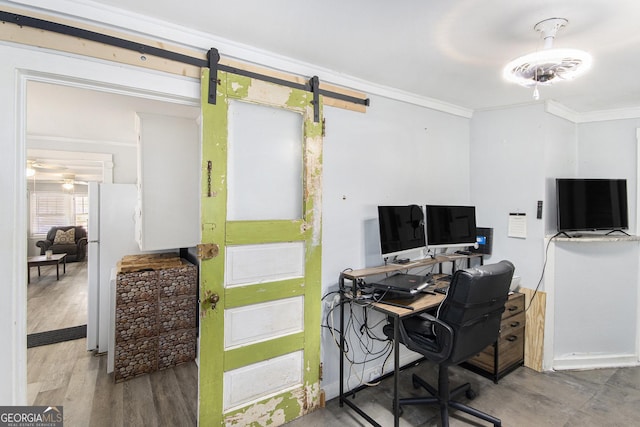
[168, 213]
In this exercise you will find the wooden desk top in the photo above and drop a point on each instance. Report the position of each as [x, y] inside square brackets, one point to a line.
[372, 271]
[420, 304]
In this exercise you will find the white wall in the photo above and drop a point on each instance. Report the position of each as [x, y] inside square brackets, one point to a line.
[608, 149]
[396, 153]
[594, 285]
[508, 170]
[596, 300]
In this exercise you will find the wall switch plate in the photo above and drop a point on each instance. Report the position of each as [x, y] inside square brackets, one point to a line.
[539, 213]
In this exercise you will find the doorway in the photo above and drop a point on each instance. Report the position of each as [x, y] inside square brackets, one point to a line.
[92, 125]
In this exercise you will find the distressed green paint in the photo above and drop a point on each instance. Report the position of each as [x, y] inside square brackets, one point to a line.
[312, 208]
[285, 406]
[238, 296]
[250, 232]
[253, 353]
[214, 136]
[299, 99]
[238, 86]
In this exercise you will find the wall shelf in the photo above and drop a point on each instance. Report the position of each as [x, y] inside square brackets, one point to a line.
[588, 238]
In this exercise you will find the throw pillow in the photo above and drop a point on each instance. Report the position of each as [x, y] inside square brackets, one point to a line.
[65, 237]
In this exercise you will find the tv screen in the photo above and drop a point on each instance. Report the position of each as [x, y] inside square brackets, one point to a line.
[401, 229]
[451, 225]
[591, 204]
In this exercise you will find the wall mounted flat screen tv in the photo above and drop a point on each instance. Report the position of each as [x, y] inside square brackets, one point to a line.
[401, 229]
[591, 204]
[450, 226]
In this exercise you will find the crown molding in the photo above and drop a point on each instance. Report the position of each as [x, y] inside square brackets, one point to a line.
[557, 109]
[132, 23]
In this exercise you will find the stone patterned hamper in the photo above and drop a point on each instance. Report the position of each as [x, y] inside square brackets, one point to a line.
[156, 309]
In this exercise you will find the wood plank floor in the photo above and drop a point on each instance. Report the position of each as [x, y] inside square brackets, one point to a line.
[56, 304]
[66, 374]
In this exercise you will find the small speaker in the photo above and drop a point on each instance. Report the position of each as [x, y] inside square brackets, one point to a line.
[484, 241]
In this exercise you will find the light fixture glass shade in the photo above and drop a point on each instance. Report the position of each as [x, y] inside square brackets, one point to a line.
[547, 66]
[68, 185]
[30, 172]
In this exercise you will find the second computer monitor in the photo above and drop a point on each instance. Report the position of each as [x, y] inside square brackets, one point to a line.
[450, 226]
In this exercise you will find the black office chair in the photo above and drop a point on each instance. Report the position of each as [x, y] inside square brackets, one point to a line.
[467, 321]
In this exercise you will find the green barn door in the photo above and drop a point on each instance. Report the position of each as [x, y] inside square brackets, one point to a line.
[260, 289]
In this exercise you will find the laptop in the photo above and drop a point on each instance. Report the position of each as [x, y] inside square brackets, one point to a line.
[403, 283]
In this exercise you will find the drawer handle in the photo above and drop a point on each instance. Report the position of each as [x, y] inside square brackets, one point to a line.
[514, 324]
[512, 338]
[513, 308]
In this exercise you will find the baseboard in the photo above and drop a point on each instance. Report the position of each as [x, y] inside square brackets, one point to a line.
[332, 390]
[596, 362]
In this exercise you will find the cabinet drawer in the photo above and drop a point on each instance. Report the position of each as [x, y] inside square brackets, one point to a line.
[510, 350]
[512, 323]
[513, 306]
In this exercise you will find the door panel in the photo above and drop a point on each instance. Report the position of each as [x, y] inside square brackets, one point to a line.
[265, 262]
[260, 322]
[266, 141]
[261, 379]
[260, 341]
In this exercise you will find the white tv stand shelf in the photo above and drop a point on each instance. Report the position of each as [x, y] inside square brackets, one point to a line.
[585, 238]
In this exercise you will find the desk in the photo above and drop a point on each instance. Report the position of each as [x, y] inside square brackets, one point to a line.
[348, 295]
[421, 304]
[38, 261]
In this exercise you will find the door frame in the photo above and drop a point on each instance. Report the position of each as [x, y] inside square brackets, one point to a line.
[23, 65]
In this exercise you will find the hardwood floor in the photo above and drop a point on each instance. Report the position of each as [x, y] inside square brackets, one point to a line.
[56, 304]
[66, 374]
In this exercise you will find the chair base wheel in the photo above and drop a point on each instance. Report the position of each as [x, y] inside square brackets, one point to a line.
[470, 394]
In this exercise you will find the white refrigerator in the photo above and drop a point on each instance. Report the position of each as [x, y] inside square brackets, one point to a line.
[111, 235]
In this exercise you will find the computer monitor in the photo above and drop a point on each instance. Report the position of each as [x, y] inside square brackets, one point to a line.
[450, 226]
[401, 229]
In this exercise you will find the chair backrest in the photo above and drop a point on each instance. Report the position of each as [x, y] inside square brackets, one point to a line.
[473, 308]
[79, 233]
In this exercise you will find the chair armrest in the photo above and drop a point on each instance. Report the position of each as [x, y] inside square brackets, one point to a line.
[44, 245]
[436, 349]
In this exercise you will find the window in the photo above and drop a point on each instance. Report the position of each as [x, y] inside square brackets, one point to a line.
[53, 209]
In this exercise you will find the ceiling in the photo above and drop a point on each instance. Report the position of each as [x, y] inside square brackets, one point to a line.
[452, 51]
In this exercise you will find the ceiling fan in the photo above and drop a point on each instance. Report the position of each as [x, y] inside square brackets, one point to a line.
[550, 64]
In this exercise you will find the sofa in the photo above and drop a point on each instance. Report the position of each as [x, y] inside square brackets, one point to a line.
[63, 240]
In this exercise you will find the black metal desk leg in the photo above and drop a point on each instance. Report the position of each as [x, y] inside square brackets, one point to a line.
[396, 371]
[341, 352]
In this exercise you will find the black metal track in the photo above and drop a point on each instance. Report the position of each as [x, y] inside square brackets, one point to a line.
[27, 21]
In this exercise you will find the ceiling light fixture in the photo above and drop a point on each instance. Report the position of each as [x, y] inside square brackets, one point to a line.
[550, 64]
